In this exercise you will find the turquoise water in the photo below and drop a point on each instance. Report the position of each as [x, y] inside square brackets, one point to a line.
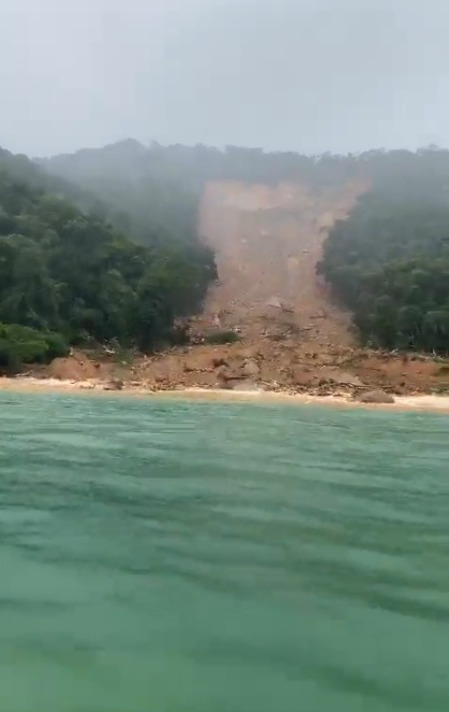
[199, 557]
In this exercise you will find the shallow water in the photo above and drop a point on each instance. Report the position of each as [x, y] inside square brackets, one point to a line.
[203, 557]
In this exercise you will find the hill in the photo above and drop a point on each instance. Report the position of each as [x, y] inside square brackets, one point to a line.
[266, 216]
[270, 219]
[389, 263]
[267, 241]
[69, 277]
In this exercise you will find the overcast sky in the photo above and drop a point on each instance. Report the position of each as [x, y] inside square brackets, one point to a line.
[307, 75]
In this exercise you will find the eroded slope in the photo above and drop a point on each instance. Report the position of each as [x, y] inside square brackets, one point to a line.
[267, 242]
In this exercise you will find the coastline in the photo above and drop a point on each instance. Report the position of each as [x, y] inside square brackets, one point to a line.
[418, 402]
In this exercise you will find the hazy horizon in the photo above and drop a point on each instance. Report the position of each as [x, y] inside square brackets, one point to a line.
[302, 75]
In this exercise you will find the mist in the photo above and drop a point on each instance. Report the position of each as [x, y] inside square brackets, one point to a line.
[304, 75]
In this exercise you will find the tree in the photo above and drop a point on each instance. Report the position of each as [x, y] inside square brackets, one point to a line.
[68, 272]
[389, 263]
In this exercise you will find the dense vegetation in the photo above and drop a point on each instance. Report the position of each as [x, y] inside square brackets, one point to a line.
[146, 193]
[70, 277]
[22, 344]
[389, 263]
[159, 186]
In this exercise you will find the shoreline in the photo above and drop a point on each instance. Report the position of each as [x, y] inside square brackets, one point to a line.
[418, 403]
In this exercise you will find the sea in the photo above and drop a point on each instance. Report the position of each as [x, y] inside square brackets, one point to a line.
[161, 555]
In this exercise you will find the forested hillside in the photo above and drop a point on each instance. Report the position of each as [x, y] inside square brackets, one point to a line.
[157, 190]
[150, 181]
[389, 261]
[69, 277]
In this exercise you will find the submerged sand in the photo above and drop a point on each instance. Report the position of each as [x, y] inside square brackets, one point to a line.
[418, 402]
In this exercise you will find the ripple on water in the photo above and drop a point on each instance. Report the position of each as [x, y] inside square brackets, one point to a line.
[182, 556]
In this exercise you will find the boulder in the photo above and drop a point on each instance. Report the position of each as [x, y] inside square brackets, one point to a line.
[249, 353]
[227, 385]
[115, 385]
[377, 396]
[224, 377]
[223, 373]
[218, 361]
[275, 302]
[251, 369]
[86, 386]
[246, 385]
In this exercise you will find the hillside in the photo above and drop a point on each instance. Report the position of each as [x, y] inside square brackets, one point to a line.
[264, 215]
[267, 241]
[389, 264]
[69, 278]
[269, 219]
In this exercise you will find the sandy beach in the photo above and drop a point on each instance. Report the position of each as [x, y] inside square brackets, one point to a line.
[418, 402]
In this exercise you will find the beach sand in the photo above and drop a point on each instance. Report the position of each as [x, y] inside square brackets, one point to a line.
[419, 402]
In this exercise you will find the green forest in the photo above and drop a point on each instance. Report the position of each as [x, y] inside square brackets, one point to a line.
[102, 245]
[389, 264]
[70, 277]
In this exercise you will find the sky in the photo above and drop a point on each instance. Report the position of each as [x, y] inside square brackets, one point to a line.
[302, 75]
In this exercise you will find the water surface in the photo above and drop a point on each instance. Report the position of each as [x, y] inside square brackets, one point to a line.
[205, 557]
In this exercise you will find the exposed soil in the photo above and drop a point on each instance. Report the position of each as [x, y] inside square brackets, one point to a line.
[293, 336]
[267, 242]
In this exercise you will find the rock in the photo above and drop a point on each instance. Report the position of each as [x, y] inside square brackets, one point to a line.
[228, 385]
[223, 374]
[86, 386]
[115, 385]
[251, 369]
[342, 378]
[246, 385]
[274, 302]
[249, 353]
[277, 303]
[377, 396]
[324, 390]
[219, 361]
[302, 376]
[225, 377]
